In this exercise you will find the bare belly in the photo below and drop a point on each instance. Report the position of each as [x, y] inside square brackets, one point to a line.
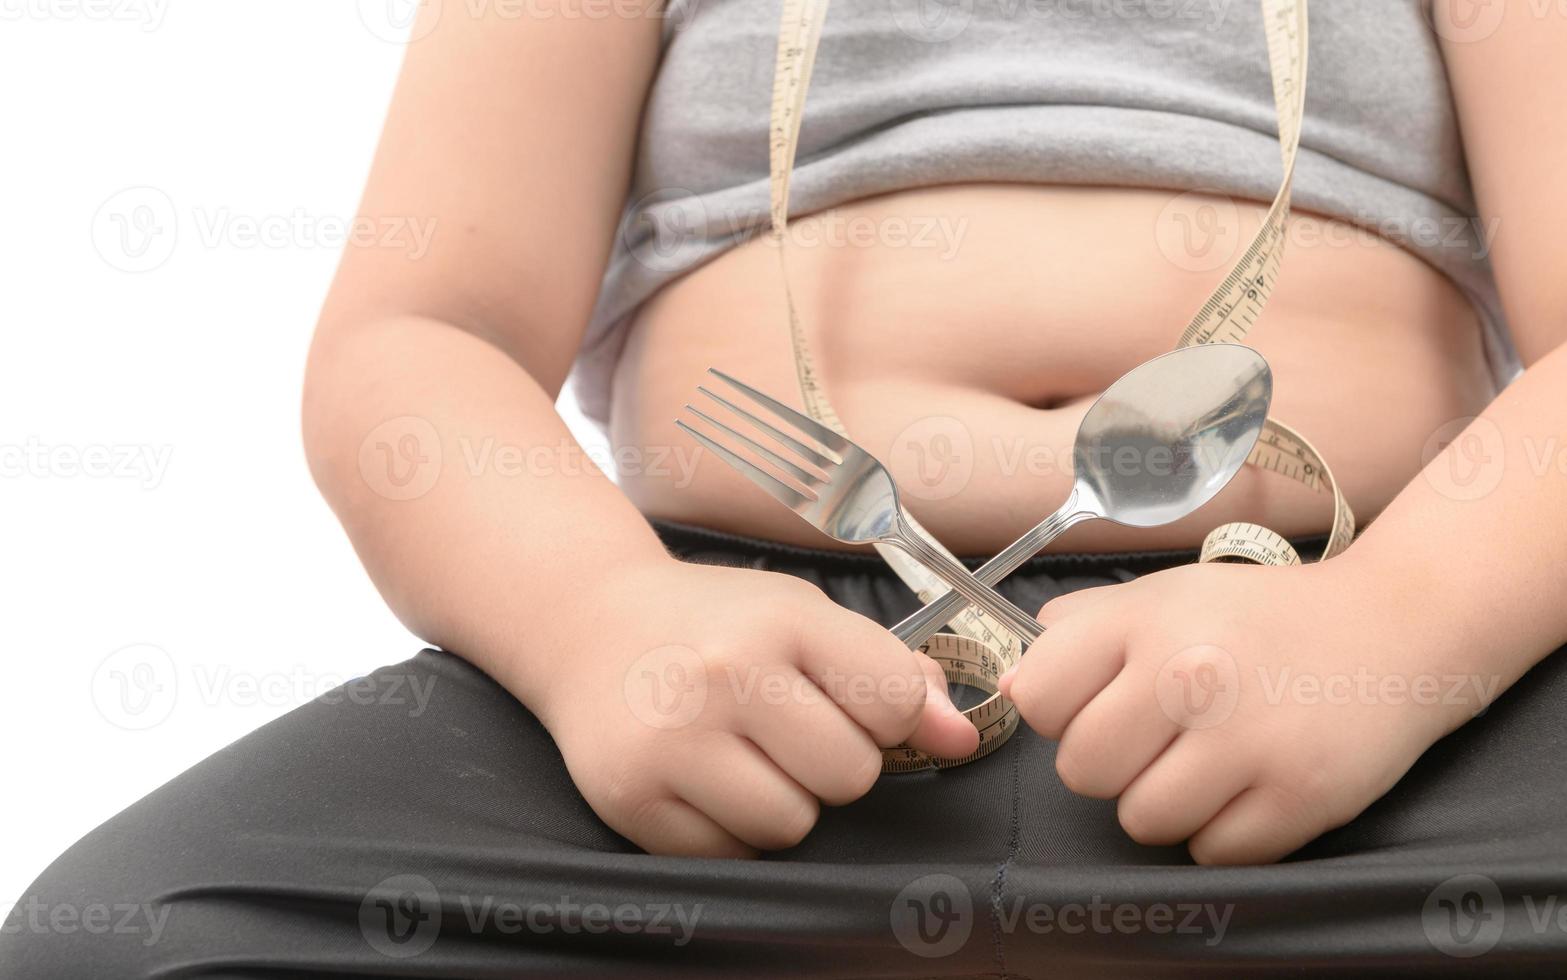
[963, 332]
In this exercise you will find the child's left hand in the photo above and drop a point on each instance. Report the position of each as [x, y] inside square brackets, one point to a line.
[1243, 709]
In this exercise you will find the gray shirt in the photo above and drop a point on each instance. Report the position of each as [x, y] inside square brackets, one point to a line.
[1133, 93]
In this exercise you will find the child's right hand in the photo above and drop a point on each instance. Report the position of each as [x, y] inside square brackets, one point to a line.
[709, 710]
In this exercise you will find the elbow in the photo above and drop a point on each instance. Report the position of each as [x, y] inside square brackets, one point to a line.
[321, 401]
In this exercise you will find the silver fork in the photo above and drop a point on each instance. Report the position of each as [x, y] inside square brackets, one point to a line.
[853, 500]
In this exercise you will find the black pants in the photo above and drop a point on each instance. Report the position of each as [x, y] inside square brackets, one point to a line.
[421, 824]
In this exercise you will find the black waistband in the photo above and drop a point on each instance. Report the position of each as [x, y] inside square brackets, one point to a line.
[689, 540]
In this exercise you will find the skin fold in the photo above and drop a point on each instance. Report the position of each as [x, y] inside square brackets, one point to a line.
[1181, 693]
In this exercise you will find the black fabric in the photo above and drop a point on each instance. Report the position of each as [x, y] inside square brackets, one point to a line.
[361, 836]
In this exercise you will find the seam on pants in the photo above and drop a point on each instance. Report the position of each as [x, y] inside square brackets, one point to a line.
[1014, 842]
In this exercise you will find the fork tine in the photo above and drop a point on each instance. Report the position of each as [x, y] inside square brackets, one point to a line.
[784, 494]
[811, 480]
[832, 441]
[812, 456]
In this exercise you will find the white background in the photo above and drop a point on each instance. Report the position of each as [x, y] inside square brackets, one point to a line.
[153, 492]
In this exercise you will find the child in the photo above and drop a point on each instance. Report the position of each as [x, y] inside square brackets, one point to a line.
[669, 663]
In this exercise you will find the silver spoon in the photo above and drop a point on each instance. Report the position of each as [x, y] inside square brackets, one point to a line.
[1157, 445]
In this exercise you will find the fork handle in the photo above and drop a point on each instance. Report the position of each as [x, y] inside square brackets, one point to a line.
[922, 625]
[966, 584]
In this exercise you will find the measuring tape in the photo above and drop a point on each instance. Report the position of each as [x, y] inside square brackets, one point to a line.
[980, 649]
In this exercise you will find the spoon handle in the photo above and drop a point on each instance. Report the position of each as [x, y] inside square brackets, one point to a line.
[924, 624]
[963, 580]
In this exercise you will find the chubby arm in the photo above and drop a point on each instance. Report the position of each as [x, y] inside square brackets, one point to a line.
[1497, 496]
[1248, 710]
[510, 139]
[430, 427]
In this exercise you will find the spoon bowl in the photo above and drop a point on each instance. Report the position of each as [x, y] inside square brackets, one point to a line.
[1170, 434]
[1156, 445]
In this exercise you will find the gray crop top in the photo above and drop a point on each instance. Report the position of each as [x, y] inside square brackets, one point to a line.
[1135, 93]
